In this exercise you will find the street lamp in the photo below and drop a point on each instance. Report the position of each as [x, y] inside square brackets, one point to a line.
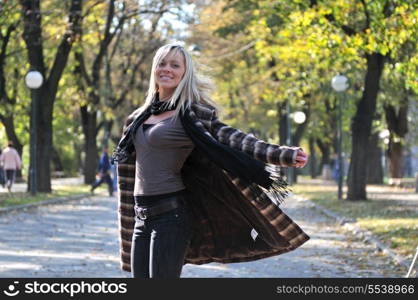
[340, 84]
[299, 117]
[384, 136]
[33, 80]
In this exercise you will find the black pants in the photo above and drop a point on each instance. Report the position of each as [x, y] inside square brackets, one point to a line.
[104, 178]
[9, 178]
[159, 244]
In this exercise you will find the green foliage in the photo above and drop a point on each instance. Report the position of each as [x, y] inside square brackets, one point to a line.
[298, 47]
[130, 51]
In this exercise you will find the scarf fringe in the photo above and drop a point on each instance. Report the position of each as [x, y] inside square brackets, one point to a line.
[279, 189]
[118, 156]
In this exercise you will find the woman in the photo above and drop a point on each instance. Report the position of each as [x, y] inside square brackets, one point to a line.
[192, 189]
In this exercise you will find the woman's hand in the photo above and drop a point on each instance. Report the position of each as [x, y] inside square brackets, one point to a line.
[301, 159]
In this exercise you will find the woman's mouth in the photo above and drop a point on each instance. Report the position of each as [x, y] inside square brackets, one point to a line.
[165, 77]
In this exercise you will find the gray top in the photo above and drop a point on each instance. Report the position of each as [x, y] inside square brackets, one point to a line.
[161, 151]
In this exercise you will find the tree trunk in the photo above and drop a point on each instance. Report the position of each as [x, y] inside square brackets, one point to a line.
[395, 158]
[298, 135]
[361, 128]
[89, 124]
[44, 135]
[107, 127]
[282, 119]
[398, 127]
[325, 149]
[56, 160]
[8, 123]
[32, 34]
[375, 169]
[312, 158]
[78, 149]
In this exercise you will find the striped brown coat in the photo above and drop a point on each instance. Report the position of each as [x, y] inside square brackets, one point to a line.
[233, 220]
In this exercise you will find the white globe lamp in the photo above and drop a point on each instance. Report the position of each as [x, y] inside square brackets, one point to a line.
[339, 83]
[299, 117]
[34, 79]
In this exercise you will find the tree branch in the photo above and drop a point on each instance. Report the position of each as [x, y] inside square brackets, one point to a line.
[61, 57]
[331, 18]
[32, 33]
[366, 12]
[5, 40]
[82, 70]
[104, 43]
[347, 30]
[89, 9]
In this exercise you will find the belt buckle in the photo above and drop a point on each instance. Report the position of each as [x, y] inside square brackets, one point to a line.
[141, 214]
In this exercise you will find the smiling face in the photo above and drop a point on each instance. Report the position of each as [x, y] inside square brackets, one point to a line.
[169, 73]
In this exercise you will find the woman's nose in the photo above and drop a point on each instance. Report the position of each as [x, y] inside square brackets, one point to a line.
[165, 68]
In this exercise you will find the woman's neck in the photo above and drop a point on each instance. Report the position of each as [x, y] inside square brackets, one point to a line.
[164, 96]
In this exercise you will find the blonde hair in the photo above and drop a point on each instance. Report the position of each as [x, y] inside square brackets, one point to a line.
[193, 87]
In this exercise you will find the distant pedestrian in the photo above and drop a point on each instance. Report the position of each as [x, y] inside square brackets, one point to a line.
[104, 173]
[10, 162]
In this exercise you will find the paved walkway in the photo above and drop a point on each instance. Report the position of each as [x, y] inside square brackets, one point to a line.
[80, 239]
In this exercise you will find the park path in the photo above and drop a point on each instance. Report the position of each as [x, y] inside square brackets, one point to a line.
[80, 239]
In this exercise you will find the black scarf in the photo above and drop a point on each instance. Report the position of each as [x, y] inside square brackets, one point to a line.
[158, 107]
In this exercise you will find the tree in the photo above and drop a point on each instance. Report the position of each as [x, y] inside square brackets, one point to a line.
[10, 20]
[313, 40]
[109, 55]
[32, 34]
[259, 69]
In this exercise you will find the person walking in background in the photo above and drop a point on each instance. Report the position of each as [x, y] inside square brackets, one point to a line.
[104, 173]
[10, 162]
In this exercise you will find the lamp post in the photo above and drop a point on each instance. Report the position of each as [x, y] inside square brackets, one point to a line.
[340, 84]
[298, 117]
[33, 80]
[384, 135]
[289, 140]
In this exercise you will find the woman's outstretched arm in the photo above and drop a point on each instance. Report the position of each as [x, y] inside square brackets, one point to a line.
[285, 156]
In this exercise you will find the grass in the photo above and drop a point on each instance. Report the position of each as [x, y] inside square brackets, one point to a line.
[390, 213]
[19, 198]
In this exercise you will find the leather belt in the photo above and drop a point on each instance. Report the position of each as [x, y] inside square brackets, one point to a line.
[167, 204]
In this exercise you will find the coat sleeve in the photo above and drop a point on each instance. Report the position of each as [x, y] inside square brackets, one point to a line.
[284, 156]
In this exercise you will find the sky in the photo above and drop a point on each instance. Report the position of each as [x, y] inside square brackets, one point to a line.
[180, 27]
